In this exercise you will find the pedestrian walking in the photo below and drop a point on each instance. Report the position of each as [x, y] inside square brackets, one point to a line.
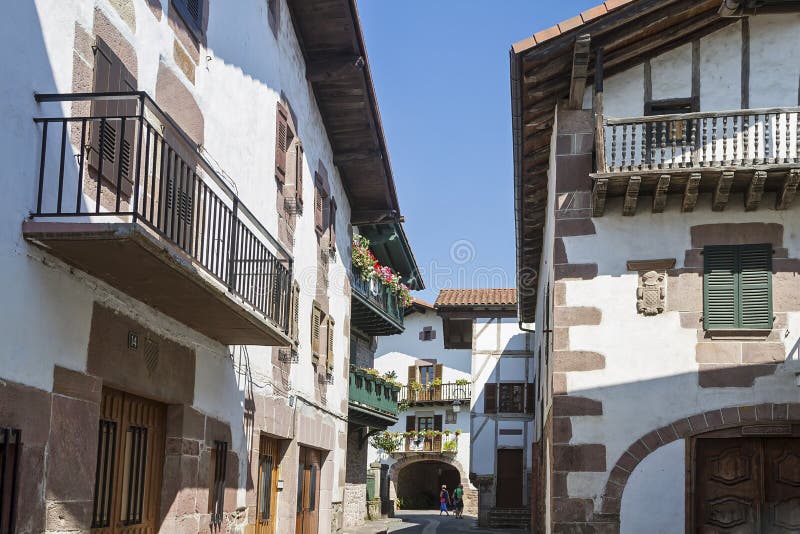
[458, 501]
[444, 500]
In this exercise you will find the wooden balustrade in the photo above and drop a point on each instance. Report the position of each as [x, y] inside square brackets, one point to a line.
[443, 393]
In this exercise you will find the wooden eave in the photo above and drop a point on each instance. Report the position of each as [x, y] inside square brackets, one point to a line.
[542, 76]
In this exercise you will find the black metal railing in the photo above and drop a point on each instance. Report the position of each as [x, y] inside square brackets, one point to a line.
[10, 450]
[139, 164]
[379, 295]
[736, 138]
[441, 393]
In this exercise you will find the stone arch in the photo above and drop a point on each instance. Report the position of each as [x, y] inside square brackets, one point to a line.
[470, 494]
[685, 427]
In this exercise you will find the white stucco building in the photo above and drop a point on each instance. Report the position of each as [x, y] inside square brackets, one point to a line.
[175, 219]
[655, 166]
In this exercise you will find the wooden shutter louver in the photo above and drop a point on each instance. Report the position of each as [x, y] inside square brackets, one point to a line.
[530, 397]
[295, 312]
[298, 180]
[318, 207]
[316, 319]
[281, 144]
[412, 373]
[737, 287]
[490, 398]
[438, 371]
[411, 423]
[332, 221]
[330, 345]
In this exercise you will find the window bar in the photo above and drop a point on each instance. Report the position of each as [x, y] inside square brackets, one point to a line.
[174, 169]
[193, 214]
[121, 161]
[61, 165]
[202, 246]
[142, 474]
[151, 219]
[41, 167]
[146, 166]
[232, 235]
[179, 205]
[81, 158]
[100, 158]
[137, 173]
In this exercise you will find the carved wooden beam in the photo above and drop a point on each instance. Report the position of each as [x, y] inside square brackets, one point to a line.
[722, 191]
[631, 195]
[788, 190]
[755, 191]
[691, 192]
[580, 69]
[599, 197]
[332, 68]
[660, 194]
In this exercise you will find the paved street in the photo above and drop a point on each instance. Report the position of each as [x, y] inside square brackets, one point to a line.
[429, 522]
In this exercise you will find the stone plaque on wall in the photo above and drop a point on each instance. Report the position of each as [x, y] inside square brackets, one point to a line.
[650, 293]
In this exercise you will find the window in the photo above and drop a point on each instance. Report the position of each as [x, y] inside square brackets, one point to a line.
[737, 287]
[283, 140]
[191, 11]
[450, 417]
[10, 445]
[512, 398]
[426, 373]
[427, 334]
[219, 463]
[298, 178]
[675, 130]
[424, 423]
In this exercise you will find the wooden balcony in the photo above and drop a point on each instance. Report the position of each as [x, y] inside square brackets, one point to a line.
[442, 394]
[127, 198]
[372, 400]
[376, 311]
[685, 155]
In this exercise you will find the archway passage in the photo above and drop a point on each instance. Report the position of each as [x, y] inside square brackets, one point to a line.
[418, 484]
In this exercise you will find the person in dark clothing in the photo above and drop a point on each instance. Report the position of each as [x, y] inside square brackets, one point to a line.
[444, 500]
[458, 501]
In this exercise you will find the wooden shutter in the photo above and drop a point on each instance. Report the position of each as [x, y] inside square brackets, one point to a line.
[298, 177]
[411, 422]
[412, 373]
[437, 422]
[332, 224]
[330, 344]
[755, 286]
[490, 398]
[437, 371]
[719, 287]
[281, 144]
[295, 329]
[316, 319]
[529, 397]
[318, 215]
[110, 75]
[737, 287]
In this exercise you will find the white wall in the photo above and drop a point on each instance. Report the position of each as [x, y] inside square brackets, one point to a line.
[240, 77]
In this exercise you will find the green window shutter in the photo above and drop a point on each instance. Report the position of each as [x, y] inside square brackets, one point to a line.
[737, 287]
[719, 287]
[755, 286]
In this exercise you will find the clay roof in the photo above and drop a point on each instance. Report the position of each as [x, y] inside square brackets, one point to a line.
[450, 298]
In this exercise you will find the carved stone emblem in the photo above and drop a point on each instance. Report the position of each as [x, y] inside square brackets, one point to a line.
[650, 293]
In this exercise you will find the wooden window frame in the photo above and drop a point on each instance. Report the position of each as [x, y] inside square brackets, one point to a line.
[317, 318]
[294, 320]
[427, 334]
[329, 357]
[421, 375]
[501, 408]
[712, 254]
[320, 198]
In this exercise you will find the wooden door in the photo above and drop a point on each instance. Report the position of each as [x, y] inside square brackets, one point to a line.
[266, 505]
[130, 463]
[781, 486]
[510, 476]
[308, 474]
[728, 485]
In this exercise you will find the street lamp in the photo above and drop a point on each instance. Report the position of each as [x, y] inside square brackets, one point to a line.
[456, 406]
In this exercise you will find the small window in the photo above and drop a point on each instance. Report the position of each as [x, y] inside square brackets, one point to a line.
[427, 334]
[426, 373]
[450, 417]
[216, 501]
[10, 445]
[191, 12]
[512, 398]
[424, 423]
[669, 131]
[737, 287]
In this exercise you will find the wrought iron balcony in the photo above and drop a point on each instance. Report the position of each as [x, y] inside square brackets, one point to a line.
[372, 400]
[744, 151]
[376, 310]
[125, 195]
[444, 394]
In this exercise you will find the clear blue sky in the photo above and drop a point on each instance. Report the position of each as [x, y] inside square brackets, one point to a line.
[441, 73]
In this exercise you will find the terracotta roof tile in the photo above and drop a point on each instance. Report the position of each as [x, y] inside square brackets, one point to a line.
[476, 297]
[567, 25]
[422, 303]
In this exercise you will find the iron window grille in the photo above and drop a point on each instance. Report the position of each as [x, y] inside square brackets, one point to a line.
[104, 474]
[136, 472]
[10, 448]
[218, 486]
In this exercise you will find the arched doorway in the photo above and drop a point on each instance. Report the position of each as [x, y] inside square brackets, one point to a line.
[417, 485]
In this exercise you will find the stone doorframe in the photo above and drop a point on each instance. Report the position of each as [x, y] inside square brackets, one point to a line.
[683, 428]
[470, 495]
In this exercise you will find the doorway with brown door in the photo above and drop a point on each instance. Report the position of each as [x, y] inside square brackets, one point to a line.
[510, 477]
[746, 484]
[308, 475]
[130, 463]
[266, 505]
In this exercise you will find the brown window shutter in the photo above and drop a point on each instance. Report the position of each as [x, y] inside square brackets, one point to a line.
[298, 180]
[295, 330]
[316, 319]
[318, 210]
[530, 398]
[490, 398]
[412, 373]
[437, 371]
[332, 221]
[411, 423]
[437, 422]
[281, 144]
[330, 343]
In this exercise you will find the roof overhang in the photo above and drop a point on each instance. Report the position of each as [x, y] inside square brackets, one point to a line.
[547, 67]
[390, 245]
